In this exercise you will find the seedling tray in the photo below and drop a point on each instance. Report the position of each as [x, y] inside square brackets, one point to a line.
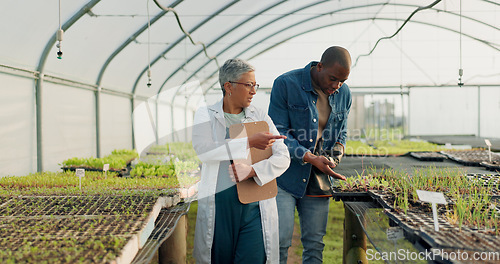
[460, 239]
[470, 157]
[62, 250]
[383, 199]
[486, 179]
[421, 226]
[123, 172]
[77, 229]
[351, 196]
[492, 166]
[417, 208]
[31, 206]
[386, 200]
[492, 180]
[428, 156]
[165, 224]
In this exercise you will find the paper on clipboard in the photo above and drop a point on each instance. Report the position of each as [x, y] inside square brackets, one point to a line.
[248, 190]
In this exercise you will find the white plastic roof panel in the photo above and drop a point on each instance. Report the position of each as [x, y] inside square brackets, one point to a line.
[249, 39]
[262, 36]
[96, 35]
[175, 43]
[27, 25]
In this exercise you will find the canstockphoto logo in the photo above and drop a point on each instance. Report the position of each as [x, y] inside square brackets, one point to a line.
[400, 255]
[432, 255]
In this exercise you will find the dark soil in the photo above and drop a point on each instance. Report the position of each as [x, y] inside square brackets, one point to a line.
[69, 229]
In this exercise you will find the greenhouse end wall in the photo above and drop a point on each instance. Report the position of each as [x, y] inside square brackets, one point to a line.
[455, 111]
[17, 119]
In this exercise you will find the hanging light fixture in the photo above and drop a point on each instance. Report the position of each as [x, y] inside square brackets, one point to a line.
[59, 35]
[461, 70]
[149, 47]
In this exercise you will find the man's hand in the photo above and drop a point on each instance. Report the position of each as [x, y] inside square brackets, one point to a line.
[323, 164]
[240, 172]
[263, 140]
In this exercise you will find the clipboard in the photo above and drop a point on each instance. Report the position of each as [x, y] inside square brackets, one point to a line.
[248, 190]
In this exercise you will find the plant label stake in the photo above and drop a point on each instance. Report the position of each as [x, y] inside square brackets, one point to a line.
[394, 233]
[488, 143]
[105, 168]
[80, 173]
[433, 198]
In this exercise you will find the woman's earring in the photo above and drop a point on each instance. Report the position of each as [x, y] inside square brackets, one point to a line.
[229, 94]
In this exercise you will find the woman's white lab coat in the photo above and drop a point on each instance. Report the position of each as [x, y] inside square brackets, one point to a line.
[209, 141]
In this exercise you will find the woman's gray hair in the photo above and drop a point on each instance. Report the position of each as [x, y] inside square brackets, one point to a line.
[232, 70]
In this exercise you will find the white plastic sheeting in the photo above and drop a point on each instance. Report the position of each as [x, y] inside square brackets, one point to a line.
[455, 111]
[489, 112]
[115, 123]
[144, 125]
[68, 120]
[153, 122]
[17, 126]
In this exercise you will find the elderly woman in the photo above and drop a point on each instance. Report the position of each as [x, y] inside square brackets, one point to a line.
[228, 231]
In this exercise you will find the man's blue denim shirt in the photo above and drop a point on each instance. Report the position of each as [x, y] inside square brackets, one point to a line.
[293, 110]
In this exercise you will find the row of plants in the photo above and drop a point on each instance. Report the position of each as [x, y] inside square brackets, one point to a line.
[174, 159]
[77, 226]
[470, 202]
[399, 147]
[126, 205]
[46, 218]
[160, 169]
[179, 150]
[472, 156]
[57, 217]
[171, 159]
[64, 250]
[117, 160]
[388, 147]
[93, 183]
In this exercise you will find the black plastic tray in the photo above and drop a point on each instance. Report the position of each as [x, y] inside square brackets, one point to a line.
[122, 173]
[428, 156]
[491, 166]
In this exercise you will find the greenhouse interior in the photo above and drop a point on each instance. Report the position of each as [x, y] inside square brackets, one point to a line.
[103, 149]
